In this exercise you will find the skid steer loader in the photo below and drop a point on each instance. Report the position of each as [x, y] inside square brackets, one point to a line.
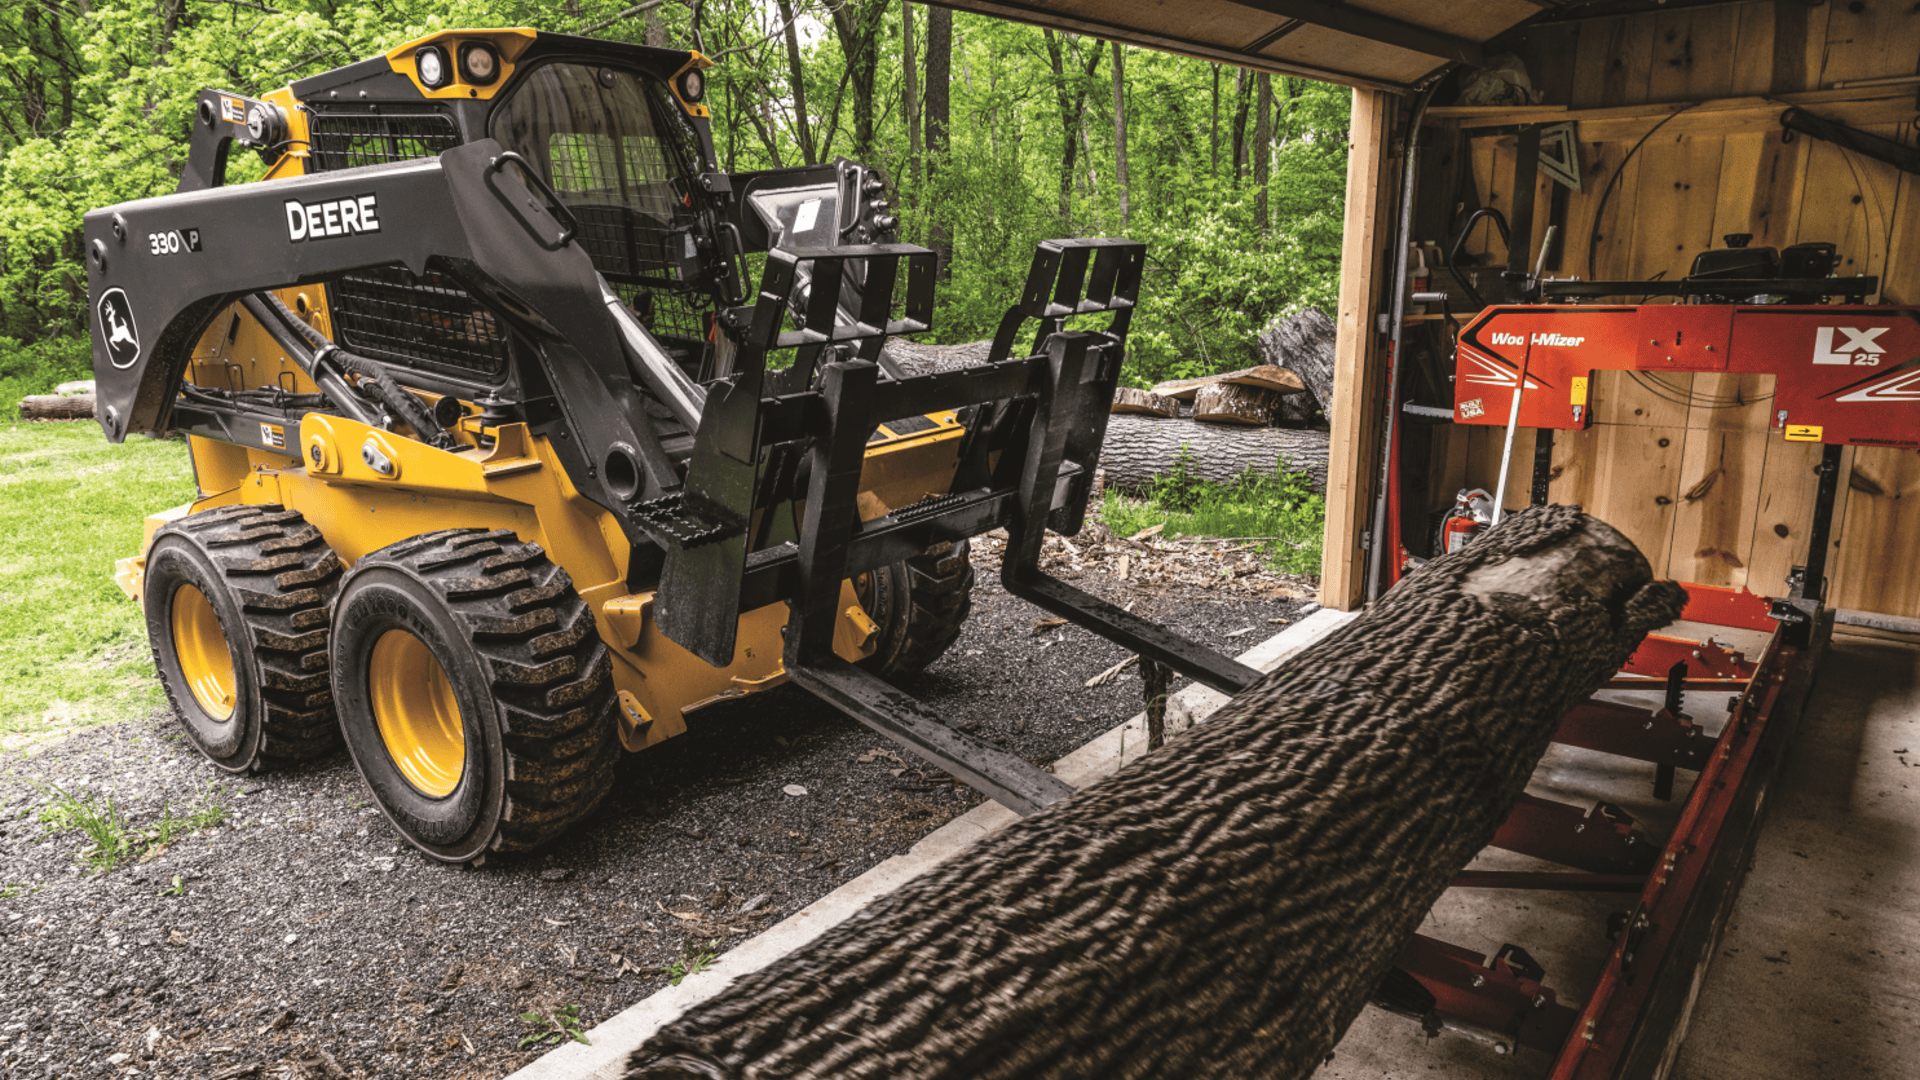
[504, 469]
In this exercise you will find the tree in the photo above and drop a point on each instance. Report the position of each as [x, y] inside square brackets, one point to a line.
[939, 75]
[1120, 127]
[909, 80]
[858, 28]
[1262, 149]
[797, 82]
[1072, 94]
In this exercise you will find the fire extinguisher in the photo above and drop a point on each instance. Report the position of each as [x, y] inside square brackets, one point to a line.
[1472, 511]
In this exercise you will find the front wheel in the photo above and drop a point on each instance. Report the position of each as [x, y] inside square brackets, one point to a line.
[237, 600]
[919, 605]
[474, 692]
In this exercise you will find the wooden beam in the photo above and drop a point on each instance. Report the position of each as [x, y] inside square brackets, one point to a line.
[1361, 23]
[1880, 103]
[1358, 373]
[1037, 13]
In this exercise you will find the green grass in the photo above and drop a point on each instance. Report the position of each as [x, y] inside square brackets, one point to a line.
[115, 837]
[1278, 510]
[75, 651]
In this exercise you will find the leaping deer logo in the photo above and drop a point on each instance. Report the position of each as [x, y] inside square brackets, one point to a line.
[123, 339]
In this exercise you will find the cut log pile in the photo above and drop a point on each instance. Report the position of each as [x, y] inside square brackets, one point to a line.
[1259, 418]
[69, 401]
[1225, 906]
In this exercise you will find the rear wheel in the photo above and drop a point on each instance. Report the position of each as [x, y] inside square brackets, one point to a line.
[237, 601]
[475, 693]
[919, 605]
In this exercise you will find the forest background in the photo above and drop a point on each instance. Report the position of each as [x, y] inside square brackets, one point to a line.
[996, 135]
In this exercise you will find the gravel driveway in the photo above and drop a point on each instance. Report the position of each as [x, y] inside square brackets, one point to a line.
[301, 938]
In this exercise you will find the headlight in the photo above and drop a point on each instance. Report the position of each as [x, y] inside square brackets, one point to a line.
[431, 63]
[479, 63]
[692, 86]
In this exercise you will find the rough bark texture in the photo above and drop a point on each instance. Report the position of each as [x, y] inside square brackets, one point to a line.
[57, 407]
[1231, 403]
[1223, 907]
[1129, 400]
[1139, 448]
[1303, 344]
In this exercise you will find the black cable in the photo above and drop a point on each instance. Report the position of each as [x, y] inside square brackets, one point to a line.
[397, 399]
[1600, 210]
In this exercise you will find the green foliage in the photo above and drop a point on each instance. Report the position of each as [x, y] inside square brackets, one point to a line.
[115, 839]
[555, 1027]
[1278, 510]
[697, 960]
[76, 646]
[98, 101]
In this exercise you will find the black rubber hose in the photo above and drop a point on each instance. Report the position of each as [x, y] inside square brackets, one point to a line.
[397, 400]
[307, 347]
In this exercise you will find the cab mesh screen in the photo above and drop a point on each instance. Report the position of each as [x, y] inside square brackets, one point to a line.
[603, 139]
[348, 141]
[389, 313]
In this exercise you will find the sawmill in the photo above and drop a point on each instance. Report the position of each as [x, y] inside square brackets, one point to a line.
[1624, 421]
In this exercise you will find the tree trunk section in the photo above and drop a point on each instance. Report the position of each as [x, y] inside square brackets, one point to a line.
[1303, 344]
[910, 93]
[939, 73]
[1224, 907]
[1139, 449]
[1120, 127]
[1262, 149]
[796, 81]
[57, 407]
[1129, 400]
[1231, 403]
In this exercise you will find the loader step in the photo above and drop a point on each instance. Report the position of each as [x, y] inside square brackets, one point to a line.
[675, 522]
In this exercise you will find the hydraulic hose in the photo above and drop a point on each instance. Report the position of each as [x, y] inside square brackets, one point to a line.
[305, 346]
[327, 365]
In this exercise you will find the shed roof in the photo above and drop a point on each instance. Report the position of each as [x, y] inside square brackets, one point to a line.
[1383, 44]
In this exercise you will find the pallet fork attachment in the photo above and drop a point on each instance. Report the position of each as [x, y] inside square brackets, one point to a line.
[1026, 463]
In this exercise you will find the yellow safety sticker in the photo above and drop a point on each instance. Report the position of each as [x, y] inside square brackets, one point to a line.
[273, 435]
[233, 110]
[1578, 390]
[1804, 432]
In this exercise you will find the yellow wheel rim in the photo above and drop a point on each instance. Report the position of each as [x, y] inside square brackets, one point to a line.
[418, 717]
[202, 649]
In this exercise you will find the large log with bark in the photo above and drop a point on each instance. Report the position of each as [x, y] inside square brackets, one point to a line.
[56, 407]
[1139, 448]
[1230, 403]
[1223, 907]
[1303, 344]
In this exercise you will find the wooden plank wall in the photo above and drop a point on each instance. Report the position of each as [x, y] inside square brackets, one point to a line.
[1686, 465]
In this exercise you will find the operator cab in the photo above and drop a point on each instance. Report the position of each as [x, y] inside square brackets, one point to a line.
[615, 130]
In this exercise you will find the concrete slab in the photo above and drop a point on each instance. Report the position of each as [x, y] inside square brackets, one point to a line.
[1818, 973]
[605, 1056]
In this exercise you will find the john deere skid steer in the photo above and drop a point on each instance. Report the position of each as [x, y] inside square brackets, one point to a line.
[503, 466]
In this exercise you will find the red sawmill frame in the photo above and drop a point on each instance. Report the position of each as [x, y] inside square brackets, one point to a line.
[1684, 885]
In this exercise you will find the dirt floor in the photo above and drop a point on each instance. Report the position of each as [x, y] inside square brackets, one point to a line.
[303, 939]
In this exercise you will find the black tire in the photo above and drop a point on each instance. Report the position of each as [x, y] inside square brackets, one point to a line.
[269, 579]
[525, 668]
[919, 605]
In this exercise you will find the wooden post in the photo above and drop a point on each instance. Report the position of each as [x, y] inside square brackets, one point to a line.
[1359, 359]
